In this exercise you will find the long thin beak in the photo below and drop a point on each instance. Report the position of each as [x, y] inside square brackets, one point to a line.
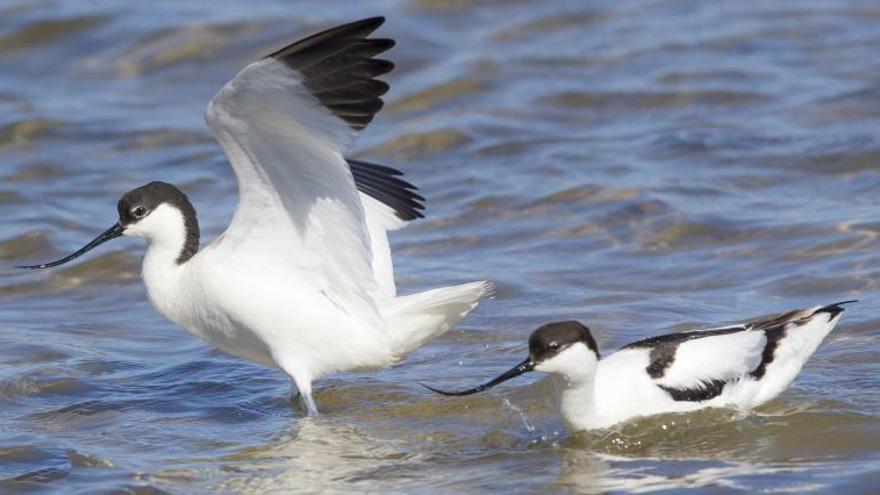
[523, 367]
[111, 233]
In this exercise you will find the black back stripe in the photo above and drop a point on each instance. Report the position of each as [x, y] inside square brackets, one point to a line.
[795, 316]
[774, 335]
[664, 347]
[383, 184]
[709, 390]
[679, 338]
[661, 358]
[338, 67]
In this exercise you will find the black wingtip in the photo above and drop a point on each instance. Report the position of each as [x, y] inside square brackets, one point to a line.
[378, 20]
[835, 309]
[363, 28]
[385, 185]
[339, 67]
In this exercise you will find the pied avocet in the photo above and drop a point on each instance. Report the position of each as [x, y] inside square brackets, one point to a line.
[740, 366]
[302, 278]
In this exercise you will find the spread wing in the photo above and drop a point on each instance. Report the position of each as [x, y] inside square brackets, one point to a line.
[285, 122]
[389, 202]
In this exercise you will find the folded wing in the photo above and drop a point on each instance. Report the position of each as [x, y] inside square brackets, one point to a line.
[697, 365]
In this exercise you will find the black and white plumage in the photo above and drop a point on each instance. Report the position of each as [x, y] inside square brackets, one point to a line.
[384, 184]
[740, 366]
[302, 278]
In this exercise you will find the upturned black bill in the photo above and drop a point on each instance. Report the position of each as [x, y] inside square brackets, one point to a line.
[111, 233]
[519, 369]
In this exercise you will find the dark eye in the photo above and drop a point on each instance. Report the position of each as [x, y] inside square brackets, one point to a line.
[139, 212]
[554, 346]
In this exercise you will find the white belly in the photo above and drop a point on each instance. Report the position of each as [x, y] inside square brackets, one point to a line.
[230, 337]
[621, 391]
[277, 319]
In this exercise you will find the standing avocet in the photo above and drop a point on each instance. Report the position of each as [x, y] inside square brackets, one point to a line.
[302, 278]
[740, 366]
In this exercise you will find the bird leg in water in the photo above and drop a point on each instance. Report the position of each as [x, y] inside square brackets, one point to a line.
[302, 390]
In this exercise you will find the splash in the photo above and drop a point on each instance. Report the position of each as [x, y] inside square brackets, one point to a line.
[519, 412]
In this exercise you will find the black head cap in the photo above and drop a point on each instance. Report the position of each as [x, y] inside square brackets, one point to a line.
[545, 342]
[550, 339]
[138, 203]
[134, 206]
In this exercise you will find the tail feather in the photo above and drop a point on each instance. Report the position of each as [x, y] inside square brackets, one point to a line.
[835, 308]
[793, 342]
[418, 318]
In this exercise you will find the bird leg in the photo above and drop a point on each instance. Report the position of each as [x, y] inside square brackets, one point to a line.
[303, 392]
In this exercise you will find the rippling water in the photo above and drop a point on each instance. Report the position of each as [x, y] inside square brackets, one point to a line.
[641, 166]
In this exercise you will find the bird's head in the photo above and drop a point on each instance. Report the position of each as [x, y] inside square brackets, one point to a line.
[566, 347]
[159, 212]
[153, 210]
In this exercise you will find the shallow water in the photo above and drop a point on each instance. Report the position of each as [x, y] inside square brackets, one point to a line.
[641, 166]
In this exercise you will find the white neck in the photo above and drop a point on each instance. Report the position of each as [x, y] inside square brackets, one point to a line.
[165, 232]
[577, 403]
[160, 262]
[575, 373]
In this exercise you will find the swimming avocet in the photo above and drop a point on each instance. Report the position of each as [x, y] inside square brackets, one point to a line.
[740, 366]
[302, 278]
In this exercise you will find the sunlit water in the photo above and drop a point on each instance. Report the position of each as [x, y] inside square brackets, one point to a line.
[640, 166]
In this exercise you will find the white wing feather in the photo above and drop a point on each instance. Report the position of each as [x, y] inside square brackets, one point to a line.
[297, 198]
[380, 219]
[718, 357]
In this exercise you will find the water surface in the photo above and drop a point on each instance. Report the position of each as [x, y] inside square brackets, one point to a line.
[641, 166]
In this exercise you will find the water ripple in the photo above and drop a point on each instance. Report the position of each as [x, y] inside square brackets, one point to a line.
[641, 166]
